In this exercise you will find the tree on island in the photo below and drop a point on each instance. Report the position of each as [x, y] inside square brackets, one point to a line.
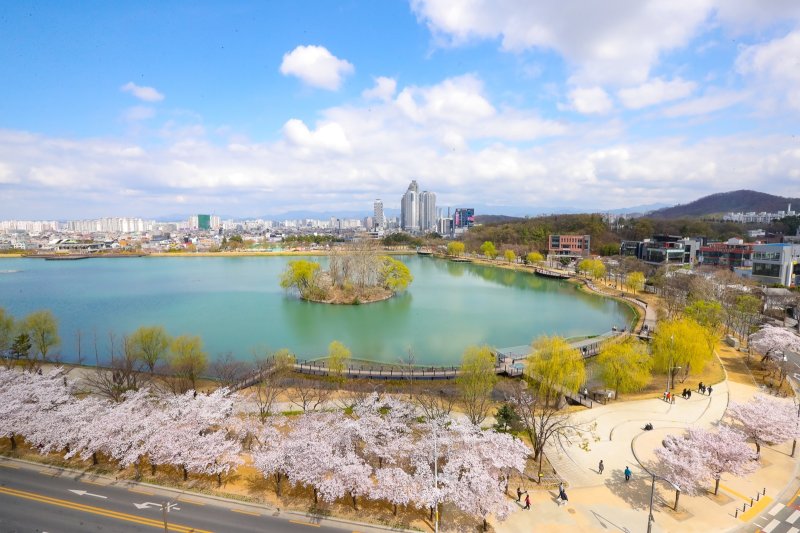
[356, 274]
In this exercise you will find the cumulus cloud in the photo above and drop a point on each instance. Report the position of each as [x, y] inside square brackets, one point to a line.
[384, 89]
[590, 100]
[606, 42]
[146, 94]
[329, 136]
[775, 67]
[316, 66]
[655, 92]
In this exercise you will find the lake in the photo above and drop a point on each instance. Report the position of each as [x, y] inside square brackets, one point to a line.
[236, 305]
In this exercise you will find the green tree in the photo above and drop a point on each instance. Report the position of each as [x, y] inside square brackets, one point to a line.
[455, 248]
[338, 357]
[6, 331]
[507, 419]
[150, 345]
[395, 275]
[21, 347]
[556, 366]
[635, 281]
[585, 267]
[476, 381]
[534, 258]
[488, 249]
[625, 366]
[188, 361]
[683, 343]
[300, 275]
[707, 313]
[510, 256]
[42, 327]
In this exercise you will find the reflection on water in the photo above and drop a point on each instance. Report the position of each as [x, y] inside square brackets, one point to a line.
[235, 304]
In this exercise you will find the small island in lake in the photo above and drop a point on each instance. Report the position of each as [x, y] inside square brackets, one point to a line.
[356, 275]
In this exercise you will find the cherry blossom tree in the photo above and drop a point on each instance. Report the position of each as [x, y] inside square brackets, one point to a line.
[702, 455]
[766, 420]
[771, 339]
[396, 486]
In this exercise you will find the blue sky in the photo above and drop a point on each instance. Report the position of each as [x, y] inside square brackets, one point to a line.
[152, 108]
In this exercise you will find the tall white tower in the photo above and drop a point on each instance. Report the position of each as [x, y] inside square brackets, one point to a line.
[427, 211]
[377, 215]
[409, 208]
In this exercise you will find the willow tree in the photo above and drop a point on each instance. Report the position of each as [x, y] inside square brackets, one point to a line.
[300, 275]
[151, 345]
[395, 275]
[682, 343]
[42, 327]
[6, 331]
[534, 258]
[635, 281]
[188, 361]
[556, 366]
[488, 249]
[338, 356]
[455, 248]
[625, 366]
[510, 255]
[476, 382]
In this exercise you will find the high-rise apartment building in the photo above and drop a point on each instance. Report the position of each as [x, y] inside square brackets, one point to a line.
[427, 211]
[409, 208]
[378, 221]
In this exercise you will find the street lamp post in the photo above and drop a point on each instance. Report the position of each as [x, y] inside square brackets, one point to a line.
[650, 518]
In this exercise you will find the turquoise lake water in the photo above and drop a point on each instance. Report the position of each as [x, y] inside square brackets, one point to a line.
[236, 305]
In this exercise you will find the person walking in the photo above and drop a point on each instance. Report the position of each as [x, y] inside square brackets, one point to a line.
[519, 494]
[601, 467]
[562, 497]
[527, 502]
[709, 390]
[627, 474]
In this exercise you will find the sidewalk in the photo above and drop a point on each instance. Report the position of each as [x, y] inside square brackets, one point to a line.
[606, 502]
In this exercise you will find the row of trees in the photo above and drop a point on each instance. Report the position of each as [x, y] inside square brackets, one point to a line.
[381, 449]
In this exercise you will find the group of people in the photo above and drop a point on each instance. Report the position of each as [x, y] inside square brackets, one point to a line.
[520, 492]
[703, 389]
[562, 496]
[686, 394]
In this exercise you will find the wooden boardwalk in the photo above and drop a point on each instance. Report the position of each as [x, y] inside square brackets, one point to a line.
[547, 273]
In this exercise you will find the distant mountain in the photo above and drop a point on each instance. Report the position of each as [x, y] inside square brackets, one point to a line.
[644, 208]
[725, 202]
[495, 219]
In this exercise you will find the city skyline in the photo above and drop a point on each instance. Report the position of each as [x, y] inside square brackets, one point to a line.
[260, 110]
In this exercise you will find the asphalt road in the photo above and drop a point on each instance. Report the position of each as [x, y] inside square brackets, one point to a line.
[39, 499]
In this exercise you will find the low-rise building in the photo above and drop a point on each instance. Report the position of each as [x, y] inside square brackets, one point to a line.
[569, 245]
[663, 249]
[776, 264]
[734, 253]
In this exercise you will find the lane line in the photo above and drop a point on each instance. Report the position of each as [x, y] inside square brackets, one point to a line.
[98, 511]
[190, 501]
[145, 492]
[240, 511]
[311, 524]
[772, 525]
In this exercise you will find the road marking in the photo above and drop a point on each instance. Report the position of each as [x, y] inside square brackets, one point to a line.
[147, 505]
[304, 523]
[776, 509]
[737, 494]
[98, 511]
[182, 500]
[793, 518]
[139, 491]
[6, 465]
[772, 525]
[757, 508]
[793, 530]
[240, 511]
[84, 493]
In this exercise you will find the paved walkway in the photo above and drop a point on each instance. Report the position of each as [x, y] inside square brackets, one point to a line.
[607, 503]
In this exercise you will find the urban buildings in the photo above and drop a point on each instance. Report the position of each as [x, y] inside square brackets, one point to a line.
[427, 212]
[464, 217]
[568, 245]
[204, 222]
[734, 253]
[776, 264]
[663, 249]
[758, 218]
[418, 210]
[378, 220]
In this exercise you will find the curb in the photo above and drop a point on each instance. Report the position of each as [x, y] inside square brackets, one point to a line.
[199, 495]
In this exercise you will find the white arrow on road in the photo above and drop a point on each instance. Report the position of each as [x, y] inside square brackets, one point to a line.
[84, 493]
[170, 506]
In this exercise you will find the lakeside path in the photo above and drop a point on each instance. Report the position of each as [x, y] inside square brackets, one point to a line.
[607, 503]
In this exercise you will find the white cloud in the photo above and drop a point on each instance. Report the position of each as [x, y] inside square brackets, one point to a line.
[384, 89]
[329, 136]
[459, 100]
[316, 66]
[775, 68]
[147, 94]
[590, 100]
[606, 42]
[655, 91]
[712, 101]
